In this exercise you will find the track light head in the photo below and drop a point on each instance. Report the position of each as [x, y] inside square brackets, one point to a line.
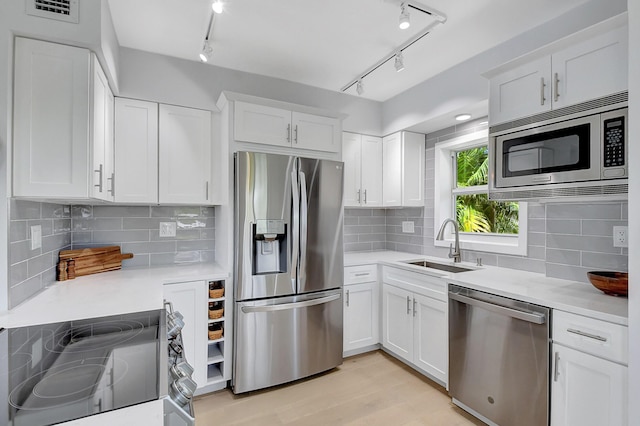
[217, 6]
[207, 50]
[399, 62]
[404, 21]
[359, 88]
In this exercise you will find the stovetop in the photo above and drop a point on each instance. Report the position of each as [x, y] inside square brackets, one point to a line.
[68, 370]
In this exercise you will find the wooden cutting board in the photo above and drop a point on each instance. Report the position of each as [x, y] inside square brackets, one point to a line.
[90, 261]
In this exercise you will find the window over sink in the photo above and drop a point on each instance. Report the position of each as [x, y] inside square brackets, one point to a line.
[461, 192]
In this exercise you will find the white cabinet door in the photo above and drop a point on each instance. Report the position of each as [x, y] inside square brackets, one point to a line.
[392, 170]
[190, 299]
[397, 322]
[102, 135]
[315, 132]
[412, 178]
[522, 91]
[51, 120]
[591, 69]
[361, 307]
[371, 171]
[262, 124]
[136, 141]
[185, 155]
[431, 344]
[587, 390]
[351, 156]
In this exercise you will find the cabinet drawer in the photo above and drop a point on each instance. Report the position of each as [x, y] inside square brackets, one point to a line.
[412, 281]
[590, 335]
[360, 274]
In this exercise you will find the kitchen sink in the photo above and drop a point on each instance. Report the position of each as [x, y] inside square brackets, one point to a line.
[441, 266]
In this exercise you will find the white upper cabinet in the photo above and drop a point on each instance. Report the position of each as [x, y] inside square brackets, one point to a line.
[51, 121]
[281, 127]
[403, 170]
[136, 144]
[102, 135]
[184, 156]
[362, 156]
[585, 70]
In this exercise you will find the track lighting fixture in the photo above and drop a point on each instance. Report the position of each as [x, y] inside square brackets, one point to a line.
[404, 20]
[207, 50]
[217, 6]
[359, 88]
[399, 62]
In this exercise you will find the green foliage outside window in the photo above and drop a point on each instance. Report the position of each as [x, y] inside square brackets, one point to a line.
[475, 212]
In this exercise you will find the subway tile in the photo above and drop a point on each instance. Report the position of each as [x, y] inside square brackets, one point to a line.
[55, 211]
[104, 224]
[24, 290]
[351, 247]
[536, 239]
[536, 252]
[49, 277]
[21, 209]
[357, 212]
[175, 211]
[409, 248]
[121, 211]
[441, 133]
[369, 238]
[346, 239]
[584, 211]
[566, 272]
[184, 257]
[373, 220]
[390, 246]
[46, 226]
[21, 251]
[147, 247]
[17, 230]
[522, 263]
[378, 229]
[138, 260]
[576, 242]
[625, 211]
[195, 245]
[61, 226]
[378, 245]
[431, 142]
[536, 225]
[142, 223]
[536, 211]
[565, 257]
[116, 237]
[81, 237]
[614, 262]
[207, 256]
[191, 223]
[39, 264]
[563, 226]
[55, 242]
[207, 211]
[195, 234]
[18, 273]
[81, 211]
[351, 220]
[602, 228]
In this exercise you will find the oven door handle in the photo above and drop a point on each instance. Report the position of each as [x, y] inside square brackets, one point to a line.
[532, 317]
[294, 305]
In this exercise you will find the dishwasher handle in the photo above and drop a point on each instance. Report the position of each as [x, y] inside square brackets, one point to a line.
[532, 317]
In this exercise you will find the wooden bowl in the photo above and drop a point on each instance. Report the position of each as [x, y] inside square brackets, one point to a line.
[612, 283]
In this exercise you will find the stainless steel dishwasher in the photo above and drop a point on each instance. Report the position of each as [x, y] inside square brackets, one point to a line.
[499, 357]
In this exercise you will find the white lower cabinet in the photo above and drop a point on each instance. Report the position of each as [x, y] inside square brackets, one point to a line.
[415, 321]
[361, 305]
[589, 377]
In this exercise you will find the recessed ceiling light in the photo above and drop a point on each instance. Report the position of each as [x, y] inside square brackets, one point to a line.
[217, 6]
[404, 20]
[463, 117]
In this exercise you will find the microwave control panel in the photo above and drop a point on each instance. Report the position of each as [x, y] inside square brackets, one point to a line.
[614, 154]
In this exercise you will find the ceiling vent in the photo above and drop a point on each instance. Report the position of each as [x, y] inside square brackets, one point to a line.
[60, 10]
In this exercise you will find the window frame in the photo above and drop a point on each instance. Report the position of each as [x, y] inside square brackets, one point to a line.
[444, 201]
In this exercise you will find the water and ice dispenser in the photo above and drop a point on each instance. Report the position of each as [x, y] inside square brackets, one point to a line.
[269, 246]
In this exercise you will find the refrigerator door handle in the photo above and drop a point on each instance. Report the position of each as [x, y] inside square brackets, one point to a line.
[295, 224]
[294, 305]
[303, 223]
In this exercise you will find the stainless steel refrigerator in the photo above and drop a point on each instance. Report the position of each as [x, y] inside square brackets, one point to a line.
[288, 269]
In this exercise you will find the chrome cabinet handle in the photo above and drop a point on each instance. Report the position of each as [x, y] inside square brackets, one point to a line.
[556, 80]
[589, 335]
[408, 305]
[414, 307]
[347, 298]
[365, 196]
[295, 139]
[542, 86]
[206, 190]
[358, 195]
[555, 367]
[288, 133]
[99, 171]
[362, 274]
[113, 184]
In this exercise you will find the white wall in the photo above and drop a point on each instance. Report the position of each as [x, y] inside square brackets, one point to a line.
[165, 79]
[463, 85]
[634, 206]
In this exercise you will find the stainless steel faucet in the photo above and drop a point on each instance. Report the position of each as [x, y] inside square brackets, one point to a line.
[454, 252]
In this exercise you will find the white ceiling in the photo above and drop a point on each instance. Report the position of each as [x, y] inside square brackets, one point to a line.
[328, 43]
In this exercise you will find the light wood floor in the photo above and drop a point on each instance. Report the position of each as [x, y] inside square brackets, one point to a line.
[369, 389]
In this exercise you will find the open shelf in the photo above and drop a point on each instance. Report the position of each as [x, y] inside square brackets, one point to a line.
[215, 353]
[215, 320]
[217, 299]
[214, 372]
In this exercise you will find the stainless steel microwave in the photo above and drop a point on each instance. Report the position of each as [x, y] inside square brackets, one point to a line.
[589, 148]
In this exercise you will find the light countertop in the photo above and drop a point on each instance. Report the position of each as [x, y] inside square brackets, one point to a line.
[570, 296]
[109, 293]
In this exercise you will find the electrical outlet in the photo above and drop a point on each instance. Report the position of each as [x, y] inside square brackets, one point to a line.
[407, 227]
[167, 229]
[620, 236]
[36, 237]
